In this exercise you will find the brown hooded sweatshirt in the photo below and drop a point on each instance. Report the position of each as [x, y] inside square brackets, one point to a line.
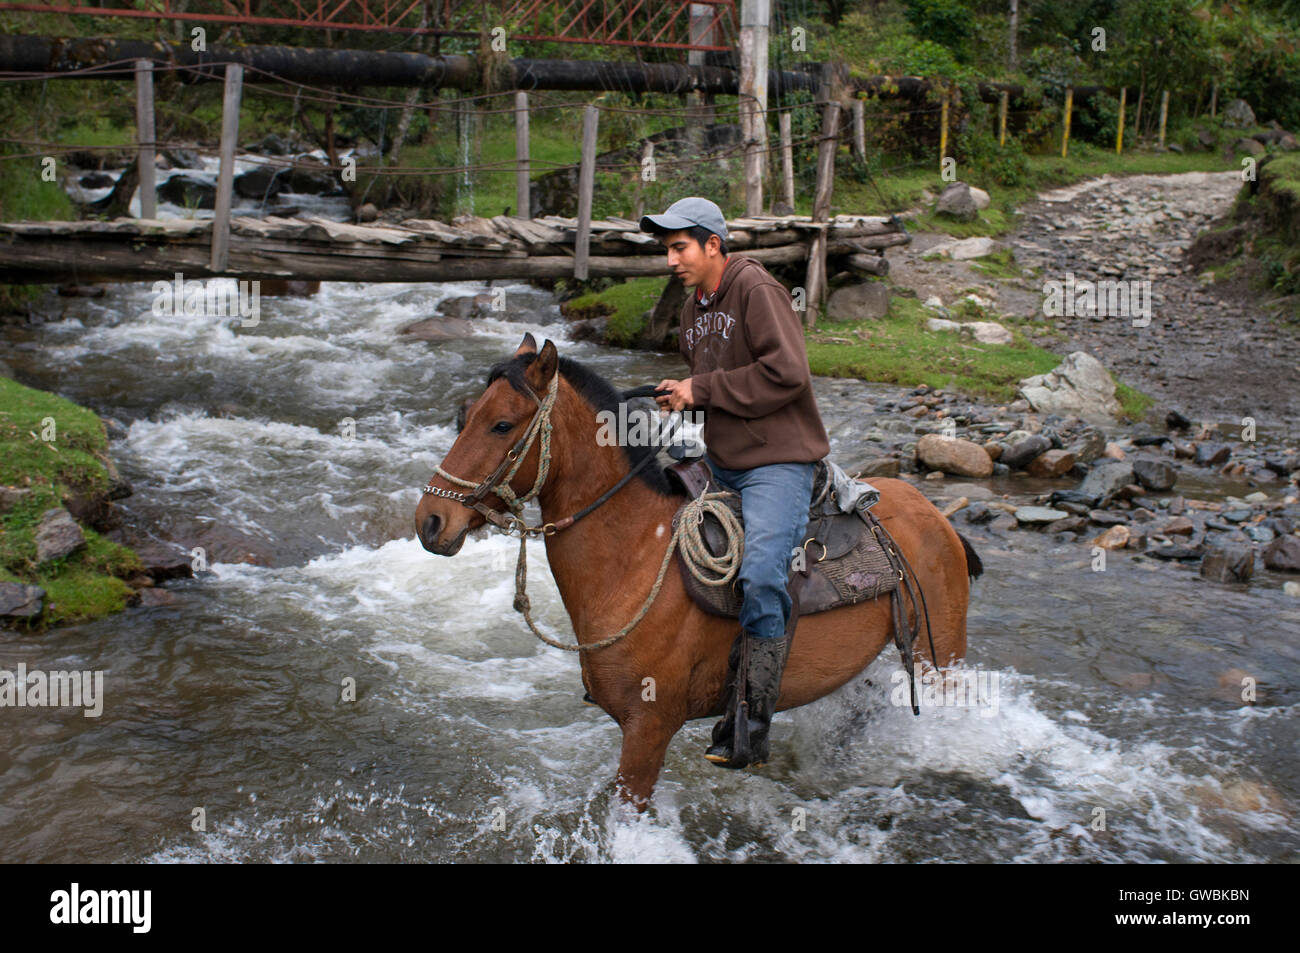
[749, 369]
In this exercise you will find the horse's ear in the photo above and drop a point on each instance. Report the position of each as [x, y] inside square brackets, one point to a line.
[528, 345]
[541, 371]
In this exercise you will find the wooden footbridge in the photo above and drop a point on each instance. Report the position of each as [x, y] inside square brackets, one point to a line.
[466, 248]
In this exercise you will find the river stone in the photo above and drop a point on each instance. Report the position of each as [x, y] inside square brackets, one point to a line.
[956, 201]
[1175, 551]
[1212, 454]
[1228, 563]
[867, 300]
[1251, 147]
[1155, 474]
[262, 181]
[57, 535]
[189, 190]
[1291, 589]
[978, 513]
[151, 598]
[1080, 385]
[980, 198]
[953, 455]
[1052, 464]
[1283, 554]
[972, 491]
[1105, 480]
[20, 601]
[1117, 537]
[438, 329]
[874, 467]
[183, 158]
[1239, 115]
[165, 561]
[1179, 526]
[1020, 454]
[1039, 514]
[1088, 445]
[989, 332]
[942, 324]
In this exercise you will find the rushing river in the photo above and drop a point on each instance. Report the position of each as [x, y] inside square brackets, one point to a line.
[469, 740]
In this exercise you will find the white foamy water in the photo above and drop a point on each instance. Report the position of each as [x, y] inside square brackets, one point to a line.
[468, 739]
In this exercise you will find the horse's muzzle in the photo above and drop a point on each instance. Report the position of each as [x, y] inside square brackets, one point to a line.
[429, 530]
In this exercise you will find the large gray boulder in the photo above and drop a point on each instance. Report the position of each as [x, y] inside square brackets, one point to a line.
[57, 535]
[868, 300]
[957, 202]
[1079, 386]
[1239, 115]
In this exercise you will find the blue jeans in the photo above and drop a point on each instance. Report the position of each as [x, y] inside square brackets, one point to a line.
[775, 503]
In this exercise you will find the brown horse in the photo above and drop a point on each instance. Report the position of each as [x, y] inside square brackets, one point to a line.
[605, 563]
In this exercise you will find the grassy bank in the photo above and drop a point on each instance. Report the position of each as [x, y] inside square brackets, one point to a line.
[898, 349]
[70, 463]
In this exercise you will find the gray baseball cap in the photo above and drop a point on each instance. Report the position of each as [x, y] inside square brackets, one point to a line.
[687, 213]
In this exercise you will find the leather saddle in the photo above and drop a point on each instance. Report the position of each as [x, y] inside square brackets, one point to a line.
[844, 561]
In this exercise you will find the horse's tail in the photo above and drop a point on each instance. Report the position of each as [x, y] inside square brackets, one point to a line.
[974, 567]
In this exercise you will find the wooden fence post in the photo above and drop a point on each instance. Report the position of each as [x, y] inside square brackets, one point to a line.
[226, 176]
[859, 130]
[1002, 117]
[1069, 107]
[1119, 128]
[523, 202]
[787, 156]
[943, 131]
[586, 184]
[1164, 115]
[145, 143]
[1214, 98]
[815, 281]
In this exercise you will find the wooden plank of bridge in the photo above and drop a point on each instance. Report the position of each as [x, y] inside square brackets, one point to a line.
[787, 157]
[522, 199]
[586, 183]
[226, 176]
[145, 138]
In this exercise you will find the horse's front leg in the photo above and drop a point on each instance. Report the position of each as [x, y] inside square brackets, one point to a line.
[645, 742]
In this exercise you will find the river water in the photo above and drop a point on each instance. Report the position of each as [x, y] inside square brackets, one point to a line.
[1111, 738]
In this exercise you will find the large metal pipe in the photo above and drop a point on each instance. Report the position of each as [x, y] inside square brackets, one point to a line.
[82, 58]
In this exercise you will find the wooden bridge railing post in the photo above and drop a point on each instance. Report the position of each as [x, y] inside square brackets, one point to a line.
[226, 175]
[586, 184]
[145, 141]
[859, 129]
[787, 156]
[1002, 117]
[1119, 126]
[1164, 115]
[523, 202]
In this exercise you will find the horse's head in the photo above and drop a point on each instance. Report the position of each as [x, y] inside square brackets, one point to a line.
[492, 447]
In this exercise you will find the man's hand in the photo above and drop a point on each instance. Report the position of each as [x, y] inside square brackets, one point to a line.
[674, 395]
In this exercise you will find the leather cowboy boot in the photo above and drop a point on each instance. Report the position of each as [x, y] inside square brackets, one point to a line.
[754, 686]
[719, 751]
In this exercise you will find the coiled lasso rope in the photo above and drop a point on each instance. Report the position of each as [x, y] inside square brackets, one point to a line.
[687, 535]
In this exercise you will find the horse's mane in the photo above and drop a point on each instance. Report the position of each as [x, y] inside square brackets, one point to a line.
[601, 394]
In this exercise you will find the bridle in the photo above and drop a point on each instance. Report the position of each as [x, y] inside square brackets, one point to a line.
[513, 523]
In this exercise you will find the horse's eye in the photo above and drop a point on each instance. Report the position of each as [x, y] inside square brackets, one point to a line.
[503, 426]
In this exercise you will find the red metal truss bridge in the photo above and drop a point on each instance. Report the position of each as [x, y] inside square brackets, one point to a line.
[664, 24]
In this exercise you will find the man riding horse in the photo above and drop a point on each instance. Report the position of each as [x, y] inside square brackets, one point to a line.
[749, 370]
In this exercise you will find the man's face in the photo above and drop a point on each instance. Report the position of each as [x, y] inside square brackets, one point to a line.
[688, 260]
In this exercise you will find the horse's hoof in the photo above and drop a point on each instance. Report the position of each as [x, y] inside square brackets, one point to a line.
[587, 699]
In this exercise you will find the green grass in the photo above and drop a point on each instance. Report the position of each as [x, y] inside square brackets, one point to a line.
[1000, 264]
[86, 583]
[899, 350]
[624, 303]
